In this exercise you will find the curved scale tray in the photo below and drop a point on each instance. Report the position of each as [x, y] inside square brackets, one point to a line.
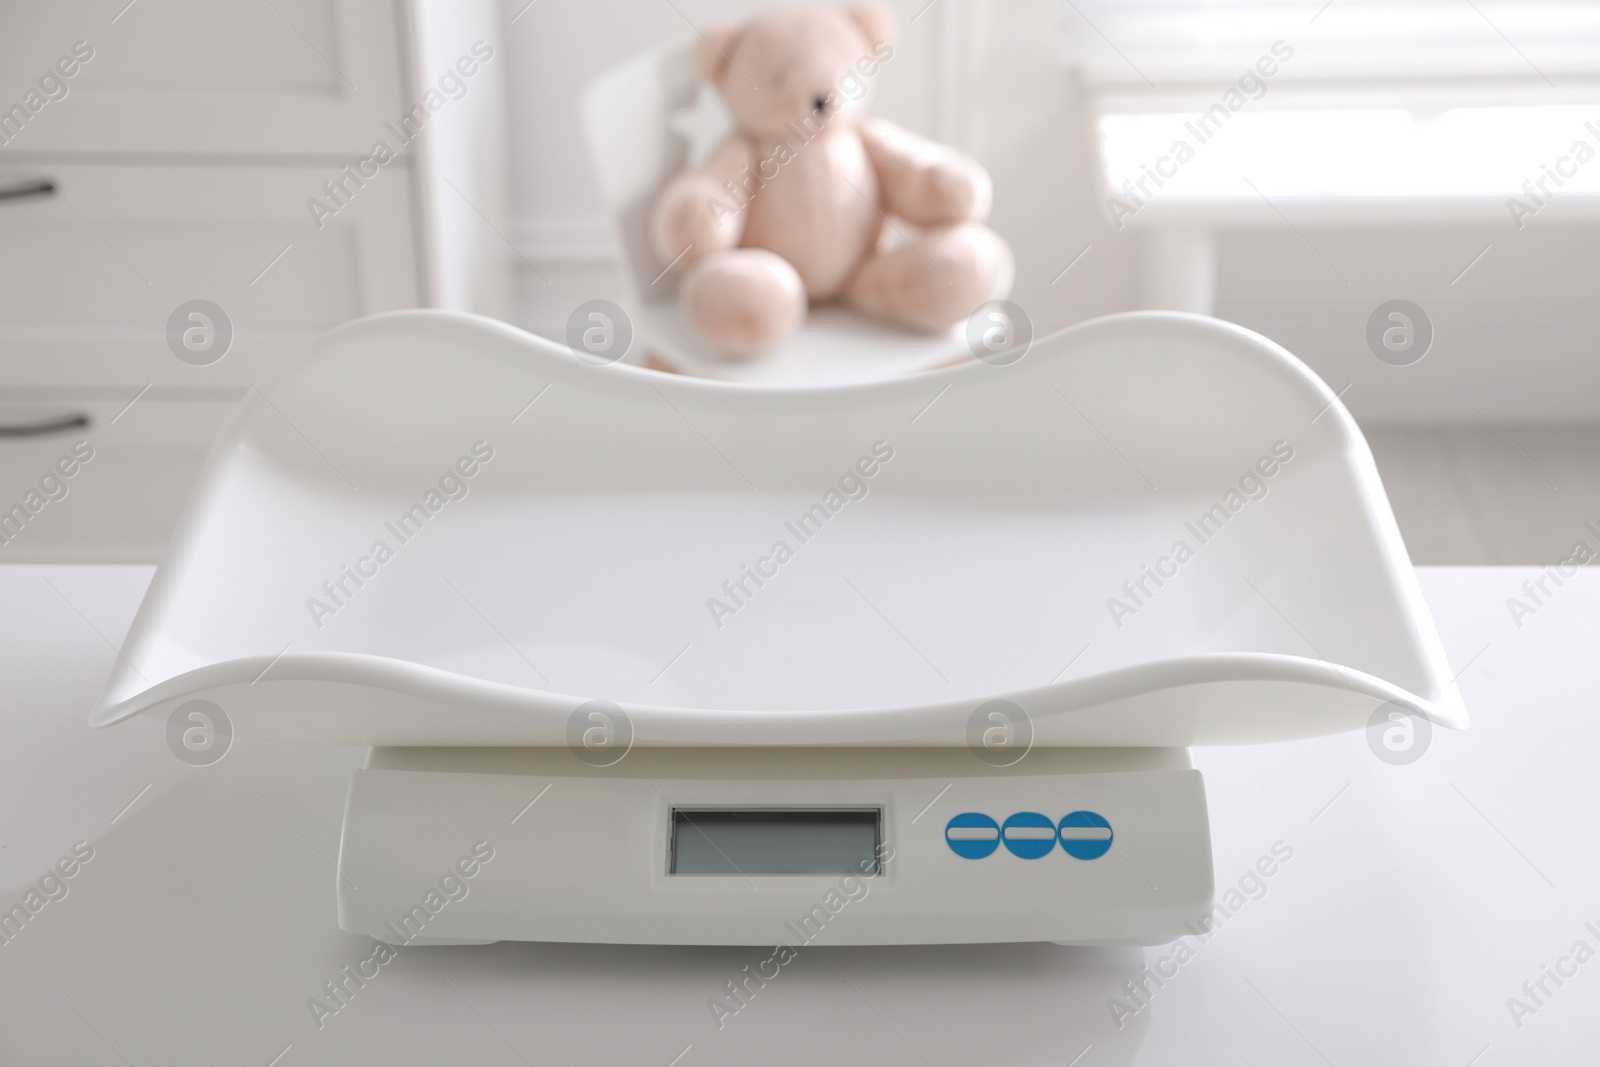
[432, 529]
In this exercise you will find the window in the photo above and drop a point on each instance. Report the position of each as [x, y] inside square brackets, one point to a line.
[1350, 100]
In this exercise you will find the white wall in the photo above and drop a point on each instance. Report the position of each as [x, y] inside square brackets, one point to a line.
[1516, 339]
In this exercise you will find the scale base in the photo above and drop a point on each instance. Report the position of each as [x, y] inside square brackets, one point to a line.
[1076, 846]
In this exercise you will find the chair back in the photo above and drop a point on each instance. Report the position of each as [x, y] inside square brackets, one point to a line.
[635, 151]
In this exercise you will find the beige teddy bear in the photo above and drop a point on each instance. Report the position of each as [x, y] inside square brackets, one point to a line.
[810, 200]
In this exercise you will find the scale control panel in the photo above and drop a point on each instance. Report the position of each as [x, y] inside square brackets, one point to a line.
[1029, 835]
[656, 857]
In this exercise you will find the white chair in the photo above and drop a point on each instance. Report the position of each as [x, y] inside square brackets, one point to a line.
[629, 117]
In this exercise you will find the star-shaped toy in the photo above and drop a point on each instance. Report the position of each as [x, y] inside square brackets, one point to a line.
[703, 125]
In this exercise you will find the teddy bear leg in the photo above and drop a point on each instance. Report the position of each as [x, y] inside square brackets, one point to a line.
[937, 280]
[743, 300]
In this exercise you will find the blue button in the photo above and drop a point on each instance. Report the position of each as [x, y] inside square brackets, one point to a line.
[1085, 835]
[1029, 835]
[972, 835]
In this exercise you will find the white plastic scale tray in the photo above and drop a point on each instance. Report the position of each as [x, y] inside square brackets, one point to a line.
[442, 537]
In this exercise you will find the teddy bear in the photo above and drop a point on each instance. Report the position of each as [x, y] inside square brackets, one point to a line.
[809, 200]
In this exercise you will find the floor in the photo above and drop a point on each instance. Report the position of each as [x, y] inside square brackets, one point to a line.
[1477, 496]
[1462, 496]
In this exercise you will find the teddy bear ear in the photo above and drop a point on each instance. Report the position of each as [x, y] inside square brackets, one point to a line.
[875, 20]
[713, 50]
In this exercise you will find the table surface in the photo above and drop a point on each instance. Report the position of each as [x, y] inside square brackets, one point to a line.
[1416, 903]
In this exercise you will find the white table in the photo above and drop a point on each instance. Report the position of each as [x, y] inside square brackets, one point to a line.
[1417, 901]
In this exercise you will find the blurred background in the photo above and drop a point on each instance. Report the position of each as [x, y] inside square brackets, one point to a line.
[1341, 156]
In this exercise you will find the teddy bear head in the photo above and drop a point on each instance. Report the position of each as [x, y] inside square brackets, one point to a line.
[797, 68]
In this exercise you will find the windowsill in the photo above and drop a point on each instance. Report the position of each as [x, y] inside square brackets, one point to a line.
[1527, 165]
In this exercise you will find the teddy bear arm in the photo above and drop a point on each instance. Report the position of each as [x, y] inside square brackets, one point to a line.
[694, 211]
[734, 155]
[924, 182]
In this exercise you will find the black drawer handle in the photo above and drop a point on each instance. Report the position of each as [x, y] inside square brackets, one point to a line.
[72, 420]
[28, 190]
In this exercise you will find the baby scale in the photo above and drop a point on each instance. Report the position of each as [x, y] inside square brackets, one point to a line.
[699, 662]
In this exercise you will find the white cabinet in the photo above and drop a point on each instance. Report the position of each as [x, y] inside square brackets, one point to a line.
[89, 277]
[180, 161]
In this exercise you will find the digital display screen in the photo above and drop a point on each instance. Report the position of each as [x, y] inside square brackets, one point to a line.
[775, 841]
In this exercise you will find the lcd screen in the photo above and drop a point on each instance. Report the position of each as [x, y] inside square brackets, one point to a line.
[775, 841]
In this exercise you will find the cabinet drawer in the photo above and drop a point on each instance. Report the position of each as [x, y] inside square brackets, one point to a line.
[89, 277]
[291, 77]
[122, 505]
